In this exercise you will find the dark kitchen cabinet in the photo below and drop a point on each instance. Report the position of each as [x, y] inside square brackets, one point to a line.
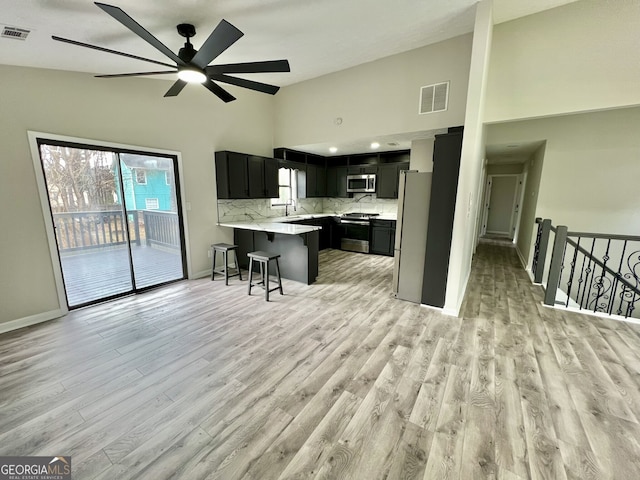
[388, 179]
[362, 169]
[232, 175]
[383, 237]
[316, 181]
[363, 163]
[444, 188]
[325, 235]
[263, 177]
[271, 183]
[245, 176]
[256, 177]
[337, 182]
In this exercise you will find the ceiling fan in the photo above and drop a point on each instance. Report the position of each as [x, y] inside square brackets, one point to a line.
[191, 65]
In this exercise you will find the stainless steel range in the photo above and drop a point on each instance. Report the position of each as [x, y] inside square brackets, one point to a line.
[356, 231]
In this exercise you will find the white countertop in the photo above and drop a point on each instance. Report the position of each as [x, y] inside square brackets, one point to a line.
[272, 227]
[283, 224]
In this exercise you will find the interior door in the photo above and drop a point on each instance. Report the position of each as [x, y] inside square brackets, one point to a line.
[115, 218]
[502, 204]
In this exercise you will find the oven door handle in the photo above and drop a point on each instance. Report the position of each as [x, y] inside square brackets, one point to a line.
[355, 222]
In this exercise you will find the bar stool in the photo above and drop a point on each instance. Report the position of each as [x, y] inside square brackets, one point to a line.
[225, 248]
[263, 258]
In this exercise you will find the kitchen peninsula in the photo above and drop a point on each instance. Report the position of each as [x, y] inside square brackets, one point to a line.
[297, 245]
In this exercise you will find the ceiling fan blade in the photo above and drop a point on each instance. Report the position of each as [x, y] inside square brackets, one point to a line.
[137, 74]
[176, 88]
[251, 67]
[222, 37]
[102, 49]
[243, 82]
[216, 89]
[139, 30]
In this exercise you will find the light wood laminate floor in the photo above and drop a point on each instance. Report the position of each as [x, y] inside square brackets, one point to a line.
[332, 380]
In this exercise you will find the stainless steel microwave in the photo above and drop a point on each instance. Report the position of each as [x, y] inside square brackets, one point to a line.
[361, 183]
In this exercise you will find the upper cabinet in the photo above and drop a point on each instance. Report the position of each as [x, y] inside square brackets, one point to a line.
[389, 168]
[327, 176]
[337, 181]
[239, 175]
[316, 176]
[388, 179]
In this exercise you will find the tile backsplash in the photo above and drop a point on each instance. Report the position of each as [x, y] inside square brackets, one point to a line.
[256, 209]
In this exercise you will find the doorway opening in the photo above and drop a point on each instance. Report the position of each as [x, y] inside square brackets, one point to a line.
[503, 198]
[116, 217]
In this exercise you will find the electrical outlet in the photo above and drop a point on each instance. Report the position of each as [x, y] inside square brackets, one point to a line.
[209, 253]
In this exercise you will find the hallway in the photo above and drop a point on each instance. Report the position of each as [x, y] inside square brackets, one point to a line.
[332, 380]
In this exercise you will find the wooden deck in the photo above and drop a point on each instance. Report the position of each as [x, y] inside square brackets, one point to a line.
[93, 274]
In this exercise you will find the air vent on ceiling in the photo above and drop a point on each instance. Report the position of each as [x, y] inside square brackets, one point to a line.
[434, 98]
[14, 32]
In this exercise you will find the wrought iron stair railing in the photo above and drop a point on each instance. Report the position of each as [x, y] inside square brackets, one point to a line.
[594, 272]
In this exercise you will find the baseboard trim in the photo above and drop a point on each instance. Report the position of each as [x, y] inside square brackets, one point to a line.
[31, 320]
[200, 274]
[523, 262]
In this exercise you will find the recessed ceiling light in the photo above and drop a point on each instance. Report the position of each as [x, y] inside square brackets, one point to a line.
[333, 149]
[513, 146]
[191, 75]
[375, 145]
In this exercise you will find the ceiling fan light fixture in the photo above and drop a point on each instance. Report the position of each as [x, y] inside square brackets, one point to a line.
[191, 75]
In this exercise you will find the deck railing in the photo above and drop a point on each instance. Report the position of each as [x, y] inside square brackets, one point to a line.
[588, 271]
[161, 228]
[87, 230]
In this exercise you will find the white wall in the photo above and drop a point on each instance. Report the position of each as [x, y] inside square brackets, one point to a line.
[471, 163]
[579, 57]
[123, 111]
[527, 229]
[589, 179]
[376, 98]
[505, 169]
[421, 157]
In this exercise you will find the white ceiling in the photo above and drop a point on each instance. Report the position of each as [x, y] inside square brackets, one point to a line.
[317, 37]
[515, 152]
[388, 143]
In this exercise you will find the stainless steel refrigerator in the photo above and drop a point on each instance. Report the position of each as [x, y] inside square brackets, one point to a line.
[411, 234]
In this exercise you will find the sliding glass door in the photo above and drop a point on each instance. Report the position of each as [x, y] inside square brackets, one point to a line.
[116, 218]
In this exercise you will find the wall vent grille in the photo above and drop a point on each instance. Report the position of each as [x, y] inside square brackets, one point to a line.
[434, 98]
[14, 32]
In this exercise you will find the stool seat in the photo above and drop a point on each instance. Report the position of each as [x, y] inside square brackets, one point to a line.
[263, 258]
[224, 246]
[261, 255]
[224, 249]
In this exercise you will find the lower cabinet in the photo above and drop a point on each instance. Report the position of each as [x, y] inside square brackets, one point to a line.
[383, 236]
[325, 235]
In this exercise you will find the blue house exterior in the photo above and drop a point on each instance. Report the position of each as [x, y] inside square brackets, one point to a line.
[147, 188]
